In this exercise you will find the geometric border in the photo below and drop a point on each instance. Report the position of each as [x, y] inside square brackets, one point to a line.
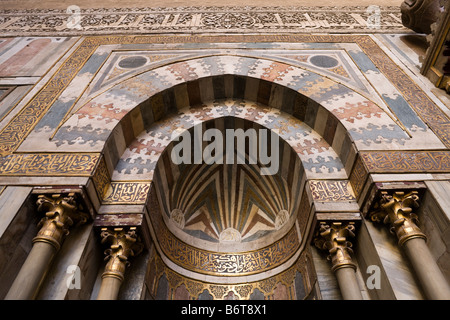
[200, 19]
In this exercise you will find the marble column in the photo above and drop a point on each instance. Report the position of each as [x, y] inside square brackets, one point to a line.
[334, 238]
[61, 213]
[396, 209]
[123, 243]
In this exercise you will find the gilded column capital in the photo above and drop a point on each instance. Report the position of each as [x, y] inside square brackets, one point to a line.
[396, 209]
[61, 213]
[334, 238]
[123, 244]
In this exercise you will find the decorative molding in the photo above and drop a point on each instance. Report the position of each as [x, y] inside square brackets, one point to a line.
[350, 19]
[61, 213]
[123, 244]
[419, 15]
[303, 212]
[5, 90]
[435, 58]
[334, 238]
[105, 220]
[396, 209]
[407, 161]
[428, 111]
[20, 126]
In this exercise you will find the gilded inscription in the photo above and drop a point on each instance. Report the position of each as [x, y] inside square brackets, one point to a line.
[48, 164]
[101, 178]
[267, 286]
[358, 176]
[227, 264]
[127, 193]
[331, 191]
[406, 161]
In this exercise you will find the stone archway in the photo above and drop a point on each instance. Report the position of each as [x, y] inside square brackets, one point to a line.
[134, 103]
[112, 120]
[309, 168]
[288, 100]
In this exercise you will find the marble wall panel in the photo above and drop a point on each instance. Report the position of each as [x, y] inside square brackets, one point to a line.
[395, 264]
[18, 226]
[30, 56]
[435, 222]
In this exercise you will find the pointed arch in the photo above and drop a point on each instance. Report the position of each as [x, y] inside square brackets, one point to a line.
[316, 118]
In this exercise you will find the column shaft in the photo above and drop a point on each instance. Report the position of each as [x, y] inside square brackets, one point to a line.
[32, 273]
[109, 289]
[348, 284]
[396, 209]
[430, 276]
[61, 213]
